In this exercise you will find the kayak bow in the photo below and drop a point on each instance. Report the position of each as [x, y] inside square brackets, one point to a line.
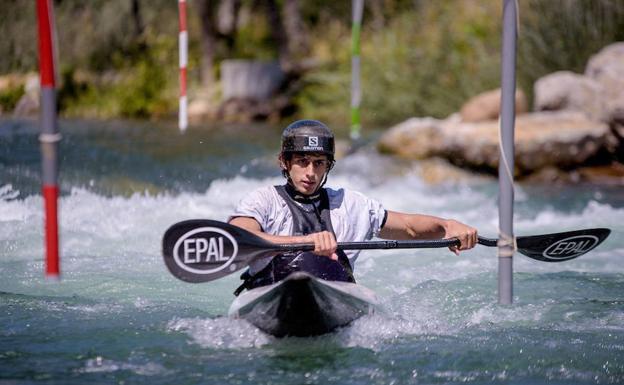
[302, 305]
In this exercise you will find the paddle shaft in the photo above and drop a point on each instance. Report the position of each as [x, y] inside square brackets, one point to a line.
[391, 244]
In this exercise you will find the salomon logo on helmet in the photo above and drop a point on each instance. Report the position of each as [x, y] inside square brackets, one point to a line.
[308, 136]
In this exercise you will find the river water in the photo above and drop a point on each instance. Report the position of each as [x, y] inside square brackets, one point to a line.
[118, 316]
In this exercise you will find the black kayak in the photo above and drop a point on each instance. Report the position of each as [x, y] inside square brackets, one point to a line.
[303, 305]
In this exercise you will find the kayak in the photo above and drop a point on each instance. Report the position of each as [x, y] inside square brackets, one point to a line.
[303, 305]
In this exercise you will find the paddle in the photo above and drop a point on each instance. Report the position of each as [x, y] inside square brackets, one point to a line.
[202, 250]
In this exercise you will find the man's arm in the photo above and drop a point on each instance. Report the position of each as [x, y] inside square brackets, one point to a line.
[324, 242]
[417, 226]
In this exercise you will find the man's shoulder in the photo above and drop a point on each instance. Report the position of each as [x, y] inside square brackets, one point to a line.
[261, 193]
[263, 190]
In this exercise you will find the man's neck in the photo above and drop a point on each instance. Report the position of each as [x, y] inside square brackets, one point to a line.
[303, 198]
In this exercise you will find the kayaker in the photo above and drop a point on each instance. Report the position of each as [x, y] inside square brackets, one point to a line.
[303, 211]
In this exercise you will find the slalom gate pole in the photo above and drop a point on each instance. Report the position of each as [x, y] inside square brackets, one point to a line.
[183, 48]
[506, 162]
[49, 136]
[356, 90]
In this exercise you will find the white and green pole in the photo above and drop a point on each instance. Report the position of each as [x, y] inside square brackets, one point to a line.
[356, 90]
[506, 162]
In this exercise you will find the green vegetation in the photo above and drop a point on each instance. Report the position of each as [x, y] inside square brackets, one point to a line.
[428, 60]
[419, 58]
[10, 97]
[424, 61]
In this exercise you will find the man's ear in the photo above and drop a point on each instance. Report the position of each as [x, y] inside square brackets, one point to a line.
[282, 162]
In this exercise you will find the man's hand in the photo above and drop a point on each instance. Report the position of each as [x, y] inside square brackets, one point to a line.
[324, 244]
[467, 235]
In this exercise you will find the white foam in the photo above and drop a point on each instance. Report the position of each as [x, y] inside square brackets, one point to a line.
[102, 365]
[221, 332]
[111, 249]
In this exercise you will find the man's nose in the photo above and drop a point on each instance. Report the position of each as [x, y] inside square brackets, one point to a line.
[310, 168]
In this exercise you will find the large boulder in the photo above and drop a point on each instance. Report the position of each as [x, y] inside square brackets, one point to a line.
[561, 139]
[486, 106]
[579, 124]
[607, 69]
[250, 79]
[565, 90]
[416, 138]
[609, 59]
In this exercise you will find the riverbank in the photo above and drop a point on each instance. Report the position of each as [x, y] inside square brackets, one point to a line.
[574, 133]
[418, 58]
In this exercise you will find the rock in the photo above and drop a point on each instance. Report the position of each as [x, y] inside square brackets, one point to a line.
[416, 138]
[561, 139]
[440, 171]
[248, 110]
[250, 79]
[565, 90]
[609, 59]
[26, 106]
[580, 122]
[607, 69]
[251, 90]
[486, 106]
[612, 174]
[608, 174]
[599, 93]
[201, 109]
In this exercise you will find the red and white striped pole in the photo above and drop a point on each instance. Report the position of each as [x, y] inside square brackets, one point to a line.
[183, 42]
[49, 136]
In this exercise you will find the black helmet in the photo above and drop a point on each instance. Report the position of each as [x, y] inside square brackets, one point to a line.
[308, 136]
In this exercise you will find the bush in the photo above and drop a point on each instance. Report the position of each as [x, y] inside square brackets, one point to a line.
[428, 59]
[10, 97]
[425, 61]
[562, 35]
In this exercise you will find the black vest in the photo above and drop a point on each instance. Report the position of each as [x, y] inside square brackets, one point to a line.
[304, 223]
[314, 221]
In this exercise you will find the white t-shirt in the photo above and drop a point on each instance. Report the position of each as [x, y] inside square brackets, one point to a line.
[354, 217]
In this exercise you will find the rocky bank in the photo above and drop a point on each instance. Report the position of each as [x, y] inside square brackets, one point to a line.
[575, 131]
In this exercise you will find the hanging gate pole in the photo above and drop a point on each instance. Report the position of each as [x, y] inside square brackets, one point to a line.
[49, 136]
[356, 90]
[183, 52]
[506, 162]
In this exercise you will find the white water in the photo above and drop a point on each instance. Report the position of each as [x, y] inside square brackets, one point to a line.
[110, 249]
[118, 315]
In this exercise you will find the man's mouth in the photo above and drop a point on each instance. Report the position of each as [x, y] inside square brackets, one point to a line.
[308, 184]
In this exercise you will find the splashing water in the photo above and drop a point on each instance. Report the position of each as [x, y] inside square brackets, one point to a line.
[119, 316]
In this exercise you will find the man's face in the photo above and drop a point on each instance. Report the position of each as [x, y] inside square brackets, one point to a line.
[307, 171]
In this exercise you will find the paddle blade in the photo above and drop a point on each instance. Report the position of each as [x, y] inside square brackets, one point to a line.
[559, 247]
[202, 250]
